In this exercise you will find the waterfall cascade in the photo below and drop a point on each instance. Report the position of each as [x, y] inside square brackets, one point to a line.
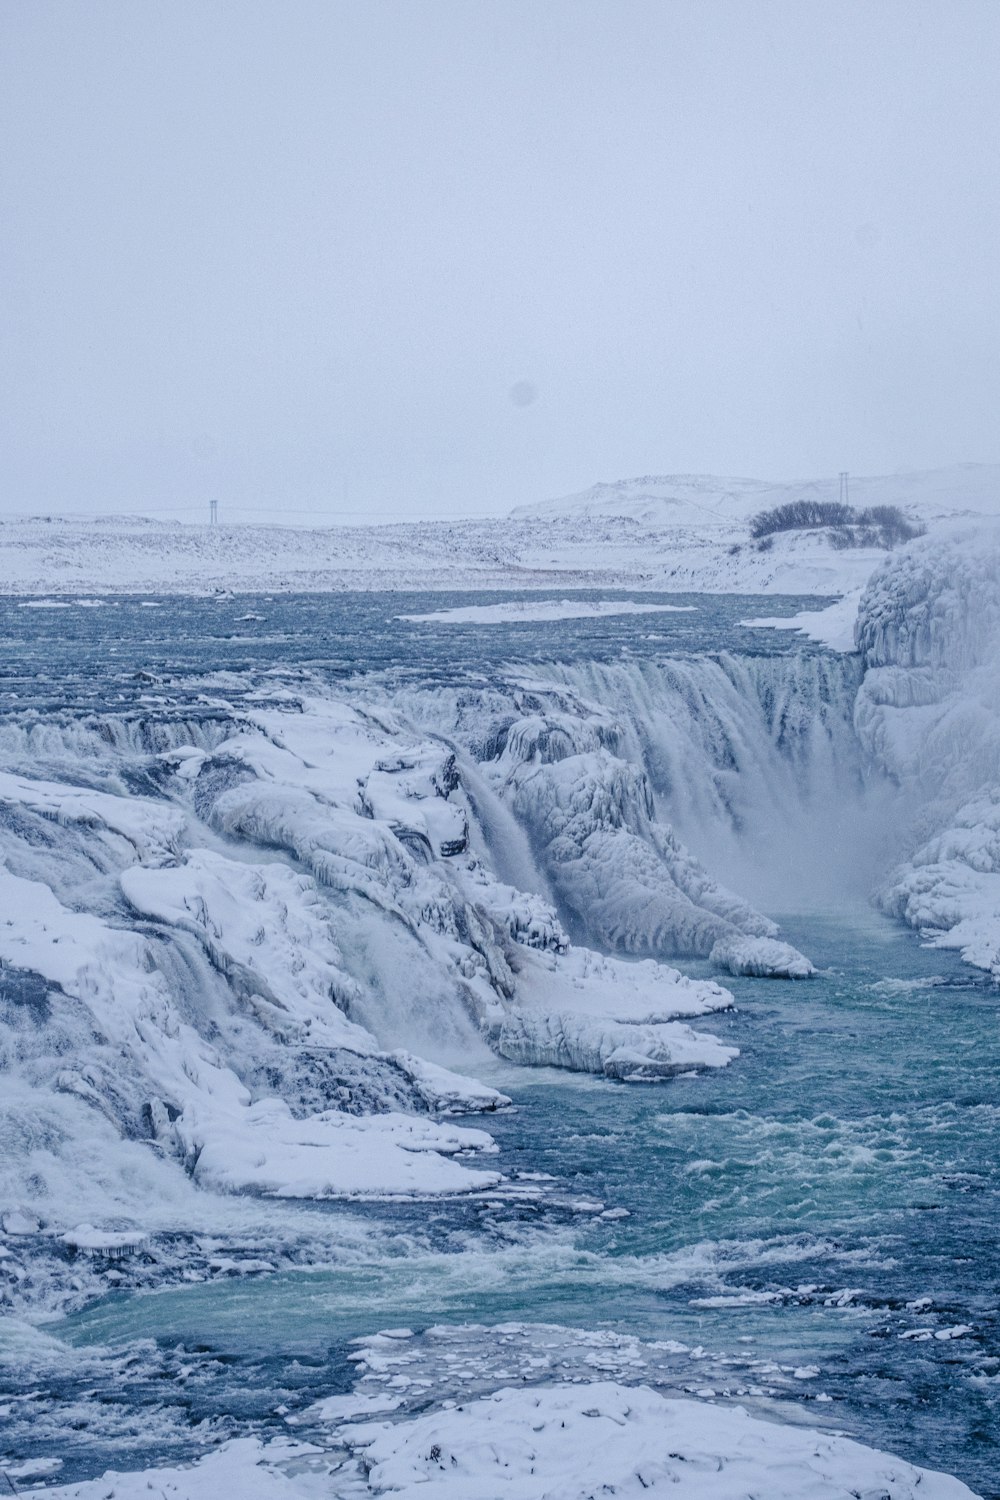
[655, 773]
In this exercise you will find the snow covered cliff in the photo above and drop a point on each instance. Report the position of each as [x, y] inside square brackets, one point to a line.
[928, 714]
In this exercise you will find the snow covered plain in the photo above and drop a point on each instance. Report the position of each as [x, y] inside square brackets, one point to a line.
[678, 533]
[243, 953]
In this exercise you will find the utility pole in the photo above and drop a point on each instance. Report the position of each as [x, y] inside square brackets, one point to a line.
[844, 498]
[213, 512]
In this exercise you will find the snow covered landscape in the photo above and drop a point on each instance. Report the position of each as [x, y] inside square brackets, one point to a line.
[286, 934]
[675, 533]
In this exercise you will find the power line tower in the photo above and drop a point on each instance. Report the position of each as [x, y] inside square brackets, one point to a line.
[213, 512]
[844, 488]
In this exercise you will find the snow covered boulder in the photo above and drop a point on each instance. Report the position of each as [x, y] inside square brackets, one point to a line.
[760, 958]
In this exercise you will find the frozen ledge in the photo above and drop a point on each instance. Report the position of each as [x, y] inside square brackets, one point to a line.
[587, 1044]
[263, 1149]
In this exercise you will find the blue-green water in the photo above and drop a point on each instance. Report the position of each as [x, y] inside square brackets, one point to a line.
[784, 1211]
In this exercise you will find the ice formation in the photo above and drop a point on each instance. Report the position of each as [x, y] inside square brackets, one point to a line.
[607, 767]
[760, 957]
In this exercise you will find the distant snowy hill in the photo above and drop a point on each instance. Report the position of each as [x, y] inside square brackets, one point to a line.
[659, 500]
[674, 533]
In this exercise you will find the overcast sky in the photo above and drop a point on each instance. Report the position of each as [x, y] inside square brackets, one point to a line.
[428, 257]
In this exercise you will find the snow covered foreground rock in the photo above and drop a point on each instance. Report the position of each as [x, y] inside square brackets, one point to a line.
[574, 1442]
[557, 1442]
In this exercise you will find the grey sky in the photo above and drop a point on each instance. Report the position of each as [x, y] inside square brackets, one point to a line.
[447, 256]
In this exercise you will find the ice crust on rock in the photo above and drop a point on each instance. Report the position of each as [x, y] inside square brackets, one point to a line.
[596, 1014]
[632, 1052]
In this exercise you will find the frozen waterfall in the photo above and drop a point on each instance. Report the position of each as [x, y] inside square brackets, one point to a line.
[253, 944]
